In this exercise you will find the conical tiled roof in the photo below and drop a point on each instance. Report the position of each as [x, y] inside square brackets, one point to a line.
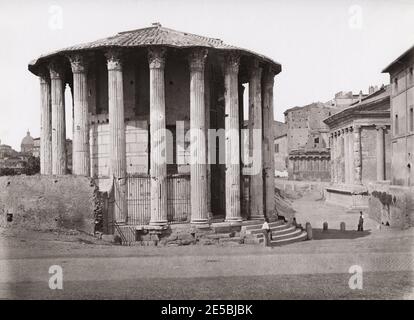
[156, 35]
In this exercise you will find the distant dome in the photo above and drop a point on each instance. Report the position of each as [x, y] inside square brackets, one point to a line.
[27, 143]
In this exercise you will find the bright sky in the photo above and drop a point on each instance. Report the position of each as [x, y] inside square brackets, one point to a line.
[324, 46]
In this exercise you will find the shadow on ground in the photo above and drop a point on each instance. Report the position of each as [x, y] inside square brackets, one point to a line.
[319, 234]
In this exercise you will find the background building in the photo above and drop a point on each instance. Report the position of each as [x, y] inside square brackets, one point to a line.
[307, 136]
[402, 114]
[281, 149]
[27, 144]
[360, 149]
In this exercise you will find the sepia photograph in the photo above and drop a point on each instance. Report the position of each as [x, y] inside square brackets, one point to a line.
[208, 155]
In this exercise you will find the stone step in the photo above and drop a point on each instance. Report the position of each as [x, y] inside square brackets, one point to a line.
[281, 227]
[289, 235]
[258, 225]
[283, 231]
[301, 237]
[275, 228]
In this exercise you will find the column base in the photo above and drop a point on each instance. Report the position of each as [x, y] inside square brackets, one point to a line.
[236, 219]
[199, 221]
[158, 223]
[257, 218]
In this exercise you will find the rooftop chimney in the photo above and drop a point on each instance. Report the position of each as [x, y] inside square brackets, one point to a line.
[156, 24]
[360, 95]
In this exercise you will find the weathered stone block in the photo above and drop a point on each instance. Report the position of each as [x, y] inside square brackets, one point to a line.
[46, 202]
[309, 230]
[108, 237]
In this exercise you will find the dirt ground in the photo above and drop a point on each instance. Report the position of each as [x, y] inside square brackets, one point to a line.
[317, 269]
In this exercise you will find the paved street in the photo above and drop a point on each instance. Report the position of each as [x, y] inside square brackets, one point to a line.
[312, 269]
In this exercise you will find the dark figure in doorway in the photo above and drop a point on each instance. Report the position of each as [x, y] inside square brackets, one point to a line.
[361, 222]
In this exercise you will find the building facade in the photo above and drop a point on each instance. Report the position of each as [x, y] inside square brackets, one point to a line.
[307, 140]
[130, 91]
[402, 115]
[392, 202]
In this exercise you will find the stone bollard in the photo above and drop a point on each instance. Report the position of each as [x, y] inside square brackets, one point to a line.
[325, 226]
[309, 230]
[342, 226]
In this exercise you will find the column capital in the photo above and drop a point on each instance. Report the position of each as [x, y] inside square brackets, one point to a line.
[78, 62]
[269, 77]
[197, 58]
[56, 70]
[231, 62]
[380, 127]
[114, 59]
[156, 57]
[255, 69]
[357, 127]
[44, 75]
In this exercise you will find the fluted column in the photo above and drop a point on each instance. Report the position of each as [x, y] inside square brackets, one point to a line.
[331, 149]
[81, 159]
[117, 133]
[198, 165]
[46, 124]
[268, 143]
[58, 118]
[346, 155]
[158, 166]
[357, 155]
[232, 146]
[380, 153]
[255, 123]
[351, 156]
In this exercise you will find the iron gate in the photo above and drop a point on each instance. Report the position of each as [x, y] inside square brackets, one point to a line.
[139, 199]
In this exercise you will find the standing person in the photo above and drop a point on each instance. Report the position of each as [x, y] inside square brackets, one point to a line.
[266, 232]
[361, 222]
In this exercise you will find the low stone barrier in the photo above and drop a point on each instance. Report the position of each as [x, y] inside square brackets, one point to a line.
[391, 205]
[48, 202]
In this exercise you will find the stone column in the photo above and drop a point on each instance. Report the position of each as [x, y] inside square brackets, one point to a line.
[117, 133]
[333, 159]
[58, 118]
[255, 123]
[46, 124]
[198, 165]
[268, 143]
[357, 155]
[380, 153]
[231, 97]
[158, 165]
[346, 156]
[350, 156]
[341, 165]
[81, 159]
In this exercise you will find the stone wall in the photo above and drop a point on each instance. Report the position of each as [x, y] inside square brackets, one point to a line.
[391, 205]
[47, 202]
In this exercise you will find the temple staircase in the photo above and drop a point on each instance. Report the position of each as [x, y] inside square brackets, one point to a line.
[282, 233]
